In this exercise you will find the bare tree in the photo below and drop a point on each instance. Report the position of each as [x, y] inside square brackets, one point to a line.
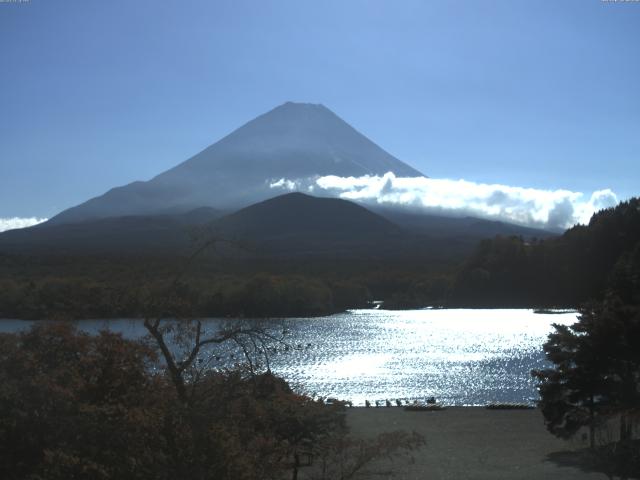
[185, 344]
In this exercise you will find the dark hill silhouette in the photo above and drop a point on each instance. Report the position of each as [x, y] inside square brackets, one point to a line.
[303, 216]
[294, 140]
[297, 224]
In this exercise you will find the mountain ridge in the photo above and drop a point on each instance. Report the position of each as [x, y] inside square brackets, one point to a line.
[286, 225]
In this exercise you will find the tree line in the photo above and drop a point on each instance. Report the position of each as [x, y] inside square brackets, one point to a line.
[559, 272]
[93, 287]
[259, 295]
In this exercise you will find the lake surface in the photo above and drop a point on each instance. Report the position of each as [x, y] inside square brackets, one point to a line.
[461, 357]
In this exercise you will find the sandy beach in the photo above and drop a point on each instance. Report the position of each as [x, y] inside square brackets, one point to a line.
[470, 443]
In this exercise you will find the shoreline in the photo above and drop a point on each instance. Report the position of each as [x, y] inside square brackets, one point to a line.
[534, 309]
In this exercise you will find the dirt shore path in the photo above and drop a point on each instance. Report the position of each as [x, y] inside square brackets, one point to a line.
[470, 443]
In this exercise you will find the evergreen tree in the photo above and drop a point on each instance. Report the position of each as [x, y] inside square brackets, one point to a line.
[596, 369]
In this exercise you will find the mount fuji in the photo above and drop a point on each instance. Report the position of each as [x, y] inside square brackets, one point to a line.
[294, 140]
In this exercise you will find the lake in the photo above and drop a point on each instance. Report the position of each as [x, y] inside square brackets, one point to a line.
[461, 357]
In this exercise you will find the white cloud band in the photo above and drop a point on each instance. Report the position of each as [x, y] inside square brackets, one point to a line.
[554, 209]
[18, 222]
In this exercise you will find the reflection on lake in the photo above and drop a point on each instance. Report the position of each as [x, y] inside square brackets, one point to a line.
[462, 357]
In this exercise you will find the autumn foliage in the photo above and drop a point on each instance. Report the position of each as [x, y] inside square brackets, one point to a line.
[74, 405]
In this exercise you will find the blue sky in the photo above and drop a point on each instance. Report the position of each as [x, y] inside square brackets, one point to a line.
[95, 94]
